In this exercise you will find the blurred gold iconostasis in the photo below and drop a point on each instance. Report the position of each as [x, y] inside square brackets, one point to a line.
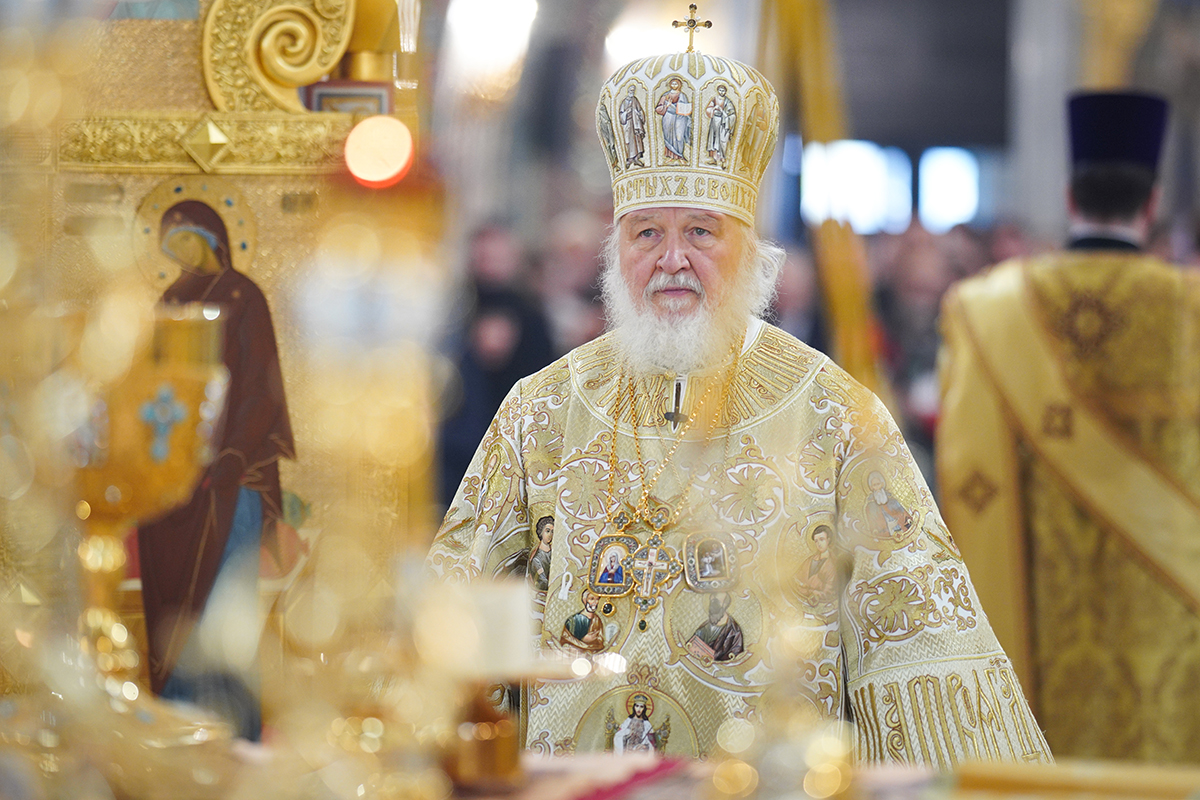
[159, 111]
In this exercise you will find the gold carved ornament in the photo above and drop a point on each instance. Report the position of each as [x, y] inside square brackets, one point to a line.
[271, 143]
[256, 53]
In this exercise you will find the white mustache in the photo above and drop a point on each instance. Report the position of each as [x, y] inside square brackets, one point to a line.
[680, 280]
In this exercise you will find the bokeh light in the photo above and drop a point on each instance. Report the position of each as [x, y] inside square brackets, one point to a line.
[949, 193]
[486, 43]
[858, 182]
[736, 736]
[119, 324]
[379, 151]
[735, 778]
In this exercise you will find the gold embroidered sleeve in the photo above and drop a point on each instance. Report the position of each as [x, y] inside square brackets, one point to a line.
[486, 529]
[979, 476]
[927, 681]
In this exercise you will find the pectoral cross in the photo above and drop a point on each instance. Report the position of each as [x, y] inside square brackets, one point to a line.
[677, 417]
[651, 565]
[691, 23]
[654, 570]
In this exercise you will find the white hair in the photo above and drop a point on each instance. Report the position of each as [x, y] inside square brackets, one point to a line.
[684, 343]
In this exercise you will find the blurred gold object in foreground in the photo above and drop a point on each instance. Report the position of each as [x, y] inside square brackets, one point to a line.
[146, 441]
[144, 445]
[485, 754]
[82, 713]
[1078, 779]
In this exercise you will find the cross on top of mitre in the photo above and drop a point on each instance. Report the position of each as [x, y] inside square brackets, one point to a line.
[691, 23]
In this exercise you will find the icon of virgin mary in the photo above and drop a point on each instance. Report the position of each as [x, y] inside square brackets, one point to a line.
[213, 539]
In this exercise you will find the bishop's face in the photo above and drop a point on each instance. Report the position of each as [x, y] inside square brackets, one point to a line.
[674, 260]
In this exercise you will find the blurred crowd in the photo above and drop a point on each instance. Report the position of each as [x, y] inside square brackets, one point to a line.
[910, 272]
[521, 309]
[524, 307]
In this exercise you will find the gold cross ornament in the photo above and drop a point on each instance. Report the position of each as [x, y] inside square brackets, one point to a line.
[691, 23]
[652, 565]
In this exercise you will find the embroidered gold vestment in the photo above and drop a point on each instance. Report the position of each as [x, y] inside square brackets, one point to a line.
[804, 518]
[1069, 466]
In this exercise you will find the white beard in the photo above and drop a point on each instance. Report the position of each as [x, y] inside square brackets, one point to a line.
[881, 497]
[674, 340]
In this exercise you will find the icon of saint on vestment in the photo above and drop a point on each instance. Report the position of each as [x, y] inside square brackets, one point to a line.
[719, 637]
[636, 732]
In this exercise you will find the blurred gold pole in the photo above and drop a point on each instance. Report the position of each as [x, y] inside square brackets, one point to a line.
[807, 48]
[1112, 32]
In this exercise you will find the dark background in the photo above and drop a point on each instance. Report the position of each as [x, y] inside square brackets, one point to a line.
[924, 73]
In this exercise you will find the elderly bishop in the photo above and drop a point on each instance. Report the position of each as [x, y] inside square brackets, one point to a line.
[693, 428]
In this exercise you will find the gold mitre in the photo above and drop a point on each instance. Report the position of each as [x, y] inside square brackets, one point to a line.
[689, 130]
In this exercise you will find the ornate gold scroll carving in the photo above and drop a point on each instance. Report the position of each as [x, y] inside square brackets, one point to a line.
[256, 52]
[275, 143]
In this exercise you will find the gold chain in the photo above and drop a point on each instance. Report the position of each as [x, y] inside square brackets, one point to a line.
[642, 511]
[643, 506]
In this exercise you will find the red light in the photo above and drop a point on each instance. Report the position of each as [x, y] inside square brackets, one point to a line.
[379, 151]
